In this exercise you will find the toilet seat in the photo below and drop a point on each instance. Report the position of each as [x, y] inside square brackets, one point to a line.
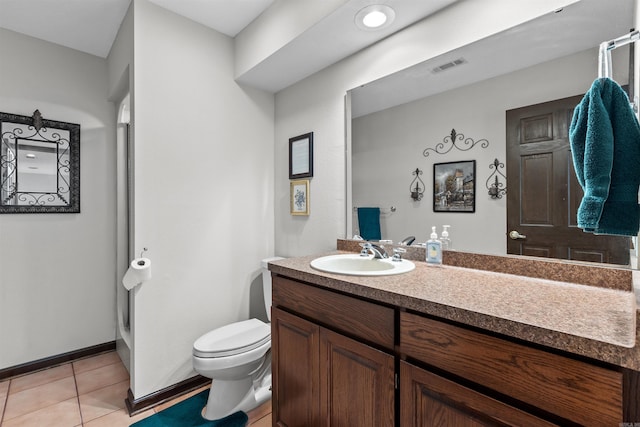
[236, 338]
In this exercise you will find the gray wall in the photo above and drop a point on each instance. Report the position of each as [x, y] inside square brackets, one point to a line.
[57, 271]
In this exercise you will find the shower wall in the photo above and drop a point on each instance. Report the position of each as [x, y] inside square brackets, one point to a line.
[123, 229]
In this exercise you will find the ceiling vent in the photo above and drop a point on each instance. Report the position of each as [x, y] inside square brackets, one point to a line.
[449, 65]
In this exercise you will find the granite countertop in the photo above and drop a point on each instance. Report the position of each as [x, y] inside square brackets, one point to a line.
[590, 321]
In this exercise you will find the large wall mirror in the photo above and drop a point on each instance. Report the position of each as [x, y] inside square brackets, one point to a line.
[39, 165]
[394, 119]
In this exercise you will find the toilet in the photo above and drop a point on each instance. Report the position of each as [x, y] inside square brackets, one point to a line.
[237, 357]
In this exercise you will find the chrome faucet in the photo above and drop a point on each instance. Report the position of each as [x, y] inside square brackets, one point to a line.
[397, 254]
[377, 251]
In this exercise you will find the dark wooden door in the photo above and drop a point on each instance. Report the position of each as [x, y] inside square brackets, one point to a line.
[357, 383]
[295, 345]
[429, 400]
[543, 193]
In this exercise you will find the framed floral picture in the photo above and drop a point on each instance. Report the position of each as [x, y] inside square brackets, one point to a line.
[299, 197]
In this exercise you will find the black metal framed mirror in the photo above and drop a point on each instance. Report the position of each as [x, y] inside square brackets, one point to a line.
[39, 165]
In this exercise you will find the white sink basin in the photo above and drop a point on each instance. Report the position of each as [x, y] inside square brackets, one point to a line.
[356, 265]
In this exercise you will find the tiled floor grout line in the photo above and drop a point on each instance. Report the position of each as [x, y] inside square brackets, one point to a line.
[75, 383]
[11, 385]
[11, 380]
[78, 391]
[6, 400]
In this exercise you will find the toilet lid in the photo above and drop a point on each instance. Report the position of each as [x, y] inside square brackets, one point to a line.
[232, 339]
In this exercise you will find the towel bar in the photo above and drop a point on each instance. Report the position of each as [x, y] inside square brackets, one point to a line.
[382, 210]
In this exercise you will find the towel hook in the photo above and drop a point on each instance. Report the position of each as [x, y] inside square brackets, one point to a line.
[143, 251]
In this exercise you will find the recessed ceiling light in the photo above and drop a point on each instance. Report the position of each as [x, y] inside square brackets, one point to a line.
[30, 156]
[375, 17]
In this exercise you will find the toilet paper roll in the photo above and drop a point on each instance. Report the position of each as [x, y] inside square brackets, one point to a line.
[139, 271]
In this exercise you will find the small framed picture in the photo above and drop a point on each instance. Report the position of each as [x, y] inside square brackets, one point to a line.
[301, 156]
[454, 187]
[299, 197]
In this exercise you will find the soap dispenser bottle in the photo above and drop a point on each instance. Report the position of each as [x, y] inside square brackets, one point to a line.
[445, 240]
[434, 248]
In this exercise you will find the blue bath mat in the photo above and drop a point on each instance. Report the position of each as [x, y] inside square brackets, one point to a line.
[187, 414]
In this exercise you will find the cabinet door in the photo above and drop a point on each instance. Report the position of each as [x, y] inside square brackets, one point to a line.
[356, 384]
[428, 400]
[295, 350]
[572, 389]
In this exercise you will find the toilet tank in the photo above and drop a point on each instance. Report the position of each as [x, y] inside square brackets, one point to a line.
[266, 283]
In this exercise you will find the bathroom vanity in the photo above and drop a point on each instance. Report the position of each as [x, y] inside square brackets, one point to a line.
[454, 346]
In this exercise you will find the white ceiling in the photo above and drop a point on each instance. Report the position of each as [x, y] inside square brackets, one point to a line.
[579, 26]
[91, 26]
[333, 38]
[86, 25]
[225, 16]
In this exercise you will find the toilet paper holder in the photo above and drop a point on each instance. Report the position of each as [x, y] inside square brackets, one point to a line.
[139, 271]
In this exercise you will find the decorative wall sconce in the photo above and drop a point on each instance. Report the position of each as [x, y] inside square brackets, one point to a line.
[451, 141]
[417, 185]
[497, 189]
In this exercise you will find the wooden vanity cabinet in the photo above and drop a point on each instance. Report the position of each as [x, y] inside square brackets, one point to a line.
[559, 388]
[336, 356]
[320, 375]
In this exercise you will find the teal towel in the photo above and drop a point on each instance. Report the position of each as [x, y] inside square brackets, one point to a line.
[605, 145]
[369, 223]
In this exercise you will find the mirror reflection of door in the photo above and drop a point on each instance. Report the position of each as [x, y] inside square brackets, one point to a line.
[544, 194]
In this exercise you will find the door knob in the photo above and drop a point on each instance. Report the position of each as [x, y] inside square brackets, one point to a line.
[515, 235]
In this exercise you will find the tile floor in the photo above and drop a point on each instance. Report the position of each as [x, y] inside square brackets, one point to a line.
[87, 392]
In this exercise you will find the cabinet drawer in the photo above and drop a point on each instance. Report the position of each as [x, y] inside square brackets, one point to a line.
[430, 400]
[358, 318]
[574, 390]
